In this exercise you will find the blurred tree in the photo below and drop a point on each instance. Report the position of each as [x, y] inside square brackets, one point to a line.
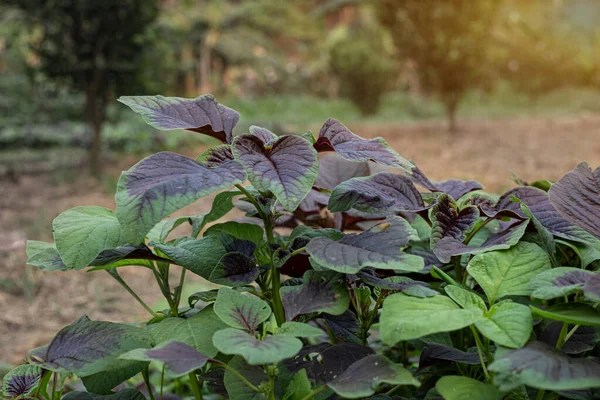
[451, 42]
[361, 57]
[90, 46]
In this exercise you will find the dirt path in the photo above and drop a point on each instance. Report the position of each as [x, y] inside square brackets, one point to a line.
[35, 305]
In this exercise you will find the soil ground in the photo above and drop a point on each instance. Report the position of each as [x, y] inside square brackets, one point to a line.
[36, 305]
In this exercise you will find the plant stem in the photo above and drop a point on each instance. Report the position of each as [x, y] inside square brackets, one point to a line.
[296, 252]
[372, 315]
[458, 273]
[275, 277]
[162, 381]
[196, 388]
[180, 287]
[147, 381]
[253, 200]
[237, 374]
[562, 336]
[477, 229]
[117, 277]
[540, 394]
[315, 392]
[480, 352]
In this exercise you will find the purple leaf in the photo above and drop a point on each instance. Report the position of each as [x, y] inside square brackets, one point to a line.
[592, 287]
[369, 276]
[235, 269]
[287, 168]
[577, 197]
[345, 327]
[163, 183]
[584, 339]
[319, 292]
[455, 188]
[202, 114]
[179, 358]
[380, 193]
[21, 381]
[434, 353]
[216, 155]
[263, 134]
[240, 310]
[324, 362]
[336, 137]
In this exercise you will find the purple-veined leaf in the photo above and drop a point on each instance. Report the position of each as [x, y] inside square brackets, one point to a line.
[215, 155]
[449, 225]
[287, 168]
[265, 135]
[434, 353]
[271, 349]
[592, 287]
[384, 192]
[584, 339]
[576, 196]
[324, 362]
[334, 136]
[379, 247]
[345, 327]
[125, 394]
[362, 377]
[21, 381]
[455, 188]
[319, 292]
[541, 366]
[235, 269]
[449, 246]
[401, 284]
[90, 347]
[571, 313]
[202, 114]
[558, 282]
[179, 358]
[240, 310]
[163, 183]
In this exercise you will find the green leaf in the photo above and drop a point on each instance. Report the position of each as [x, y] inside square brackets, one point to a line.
[298, 329]
[44, 256]
[404, 317]
[200, 256]
[542, 366]
[558, 282]
[240, 310]
[21, 381]
[179, 358]
[507, 324]
[363, 377]
[320, 292]
[508, 272]
[81, 233]
[222, 204]
[299, 387]
[464, 388]
[236, 388]
[271, 349]
[465, 298]
[379, 247]
[251, 232]
[197, 331]
[163, 183]
[572, 313]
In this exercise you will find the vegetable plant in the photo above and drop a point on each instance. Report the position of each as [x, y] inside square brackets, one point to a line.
[352, 275]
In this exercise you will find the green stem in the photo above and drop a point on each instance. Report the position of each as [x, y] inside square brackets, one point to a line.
[275, 278]
[480, 353]
[296, 252]
[180, 288]
[562, 336]
[253, 200]
[162, 381]
[237, 374]
[477, 229]
[147, 382]
[117, 277]
[54, 379]
[196, 388]
[540, 394]
[372, 315]
[314, 392]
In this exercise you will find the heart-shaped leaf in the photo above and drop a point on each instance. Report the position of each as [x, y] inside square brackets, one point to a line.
[179, 358]
[299, 387]
[216, 155]
[202, 114]
[21, 381]
[384, 192]
[335, 136]
[541, 366]
[448, 223]
[250, 232]
[235, 269]
[319, 292]
[240, 310]
[362, 378]
[89, 347]
[81, 233]
[163, 183]
[465, 298]
[201, 256]
[559, 282]
[379, 247]
[287, 168]
[44, 256]
[577, 197]
[507, 324]
[263, 134]
[404, 317]
[455, 188]
[508, 272]
[196, 331]
[271, 349]
[464, 388]
[571, 313]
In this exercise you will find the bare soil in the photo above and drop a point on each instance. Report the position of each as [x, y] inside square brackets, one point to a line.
[36, 305]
